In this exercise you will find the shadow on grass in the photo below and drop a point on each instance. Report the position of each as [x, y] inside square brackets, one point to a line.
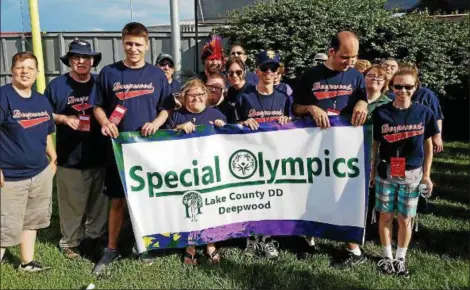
[453, 194]
[273, 275]
[452, 244]
[449, 211]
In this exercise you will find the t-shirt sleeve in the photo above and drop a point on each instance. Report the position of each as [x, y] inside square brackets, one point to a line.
[98, 91]
[51, 97]
[435, 106]
[360, 92]
[219, 116]
[167, 101]
[50, 123]
[431, 128]
[303, 90]
[377, 135]
[3, 108]
[170, 122]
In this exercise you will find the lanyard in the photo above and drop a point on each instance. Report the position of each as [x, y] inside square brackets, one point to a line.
[328, 85]
[261, 105]
[402, 142]
[126, 93]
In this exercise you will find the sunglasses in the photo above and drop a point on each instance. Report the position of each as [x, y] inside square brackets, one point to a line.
[164, 63]
[407, 87]
[238, 73]
[272, 67]
[237, 53]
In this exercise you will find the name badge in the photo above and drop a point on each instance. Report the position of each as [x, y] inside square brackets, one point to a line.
[332, 112]
[84, 123]
[397, 166]
[118, 114]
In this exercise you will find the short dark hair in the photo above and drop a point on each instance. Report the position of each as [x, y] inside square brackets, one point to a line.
[21, 56]
[135, 29]
[236, 60]
[335, 41]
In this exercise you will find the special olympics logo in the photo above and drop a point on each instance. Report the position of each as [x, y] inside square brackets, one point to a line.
[243, 164]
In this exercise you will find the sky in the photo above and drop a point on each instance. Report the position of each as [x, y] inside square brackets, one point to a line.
[89, 15]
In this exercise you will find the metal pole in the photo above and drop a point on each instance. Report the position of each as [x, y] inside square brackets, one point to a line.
[130, 3]
[196, 4]
[175, 35]
[37, 44]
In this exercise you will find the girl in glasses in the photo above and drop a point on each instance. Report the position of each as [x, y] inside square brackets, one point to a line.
[403, 150]
[195, 112]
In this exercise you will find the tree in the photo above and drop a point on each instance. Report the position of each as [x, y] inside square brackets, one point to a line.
[299, 29]
[193, 203]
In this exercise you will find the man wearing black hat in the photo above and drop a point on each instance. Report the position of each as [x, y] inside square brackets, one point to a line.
[167, 65]
[80, 151]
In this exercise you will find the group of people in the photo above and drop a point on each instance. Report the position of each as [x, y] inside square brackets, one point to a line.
[86, 111]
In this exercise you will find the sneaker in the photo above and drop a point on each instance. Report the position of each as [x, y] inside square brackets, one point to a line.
[253, 247]
[270, 249]
[401, 270]
[386, 266]
[108, 257]
[351, 261]
[32, 266]
[146, 258]
[72, 253]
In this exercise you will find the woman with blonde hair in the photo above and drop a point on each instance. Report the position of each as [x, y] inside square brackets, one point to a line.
[196, 112]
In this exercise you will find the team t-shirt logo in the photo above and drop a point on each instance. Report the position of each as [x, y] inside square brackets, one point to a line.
[31, 119]
[396, 133]
[79, 103]
[325, 91]
[129, 91]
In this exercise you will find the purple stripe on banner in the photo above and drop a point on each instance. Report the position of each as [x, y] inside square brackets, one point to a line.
[201, 131]
[246, 229]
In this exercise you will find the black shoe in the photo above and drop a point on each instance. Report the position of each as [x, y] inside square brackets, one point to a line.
[387, 267]
[32, 266]
[306, 251]
[400, 266]
[108, 257]
[350, 262]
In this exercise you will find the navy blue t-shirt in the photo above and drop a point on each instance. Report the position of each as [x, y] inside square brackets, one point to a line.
[321, 86]
[205, 117]
[227, 107]
[175, 87]
[425, 97]
[75, 149]
[143, 91]
[287, 90]
[405, 131]
[251, 78]
[251, 104]
[24, 126]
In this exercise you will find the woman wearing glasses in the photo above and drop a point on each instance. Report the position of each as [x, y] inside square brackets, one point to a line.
[195, 112]
[402, 138]
[237, 51]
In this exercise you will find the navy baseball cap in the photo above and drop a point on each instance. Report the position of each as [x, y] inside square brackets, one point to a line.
[81, 47]
[267, 57]
[163, 56]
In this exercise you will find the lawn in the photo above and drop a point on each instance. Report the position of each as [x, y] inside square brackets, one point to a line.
[439, 256]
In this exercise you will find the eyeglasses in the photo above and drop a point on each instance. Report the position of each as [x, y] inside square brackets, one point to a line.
[272, 67]
[232, 73]
[164, 63]
[407, 87]
[215, 89]
[374, 77]
[236, 53]
[193, 96]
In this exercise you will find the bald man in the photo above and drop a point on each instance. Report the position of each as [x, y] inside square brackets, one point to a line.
[332, 89]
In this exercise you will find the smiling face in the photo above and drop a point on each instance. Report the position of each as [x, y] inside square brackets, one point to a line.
[404, 87]
[213, 66]
[24, 73]
[81, 64]
[195, 99]
[391, 67]
[236, 75]
[266, 73]
[375, 81]
[135, 48]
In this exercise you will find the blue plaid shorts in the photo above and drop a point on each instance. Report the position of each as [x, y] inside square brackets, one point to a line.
[398, 194]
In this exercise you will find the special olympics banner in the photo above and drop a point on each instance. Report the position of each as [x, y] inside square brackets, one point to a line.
[221, 183]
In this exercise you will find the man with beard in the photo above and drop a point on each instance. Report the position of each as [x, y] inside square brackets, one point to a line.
[213, 58]
[167, 65]
[80, 151]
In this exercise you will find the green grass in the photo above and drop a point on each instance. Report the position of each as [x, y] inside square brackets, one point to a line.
[439, 255]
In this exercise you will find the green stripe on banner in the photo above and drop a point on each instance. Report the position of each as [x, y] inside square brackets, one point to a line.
[211, 189]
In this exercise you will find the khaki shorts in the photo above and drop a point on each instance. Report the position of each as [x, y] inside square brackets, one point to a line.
[25, 205]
